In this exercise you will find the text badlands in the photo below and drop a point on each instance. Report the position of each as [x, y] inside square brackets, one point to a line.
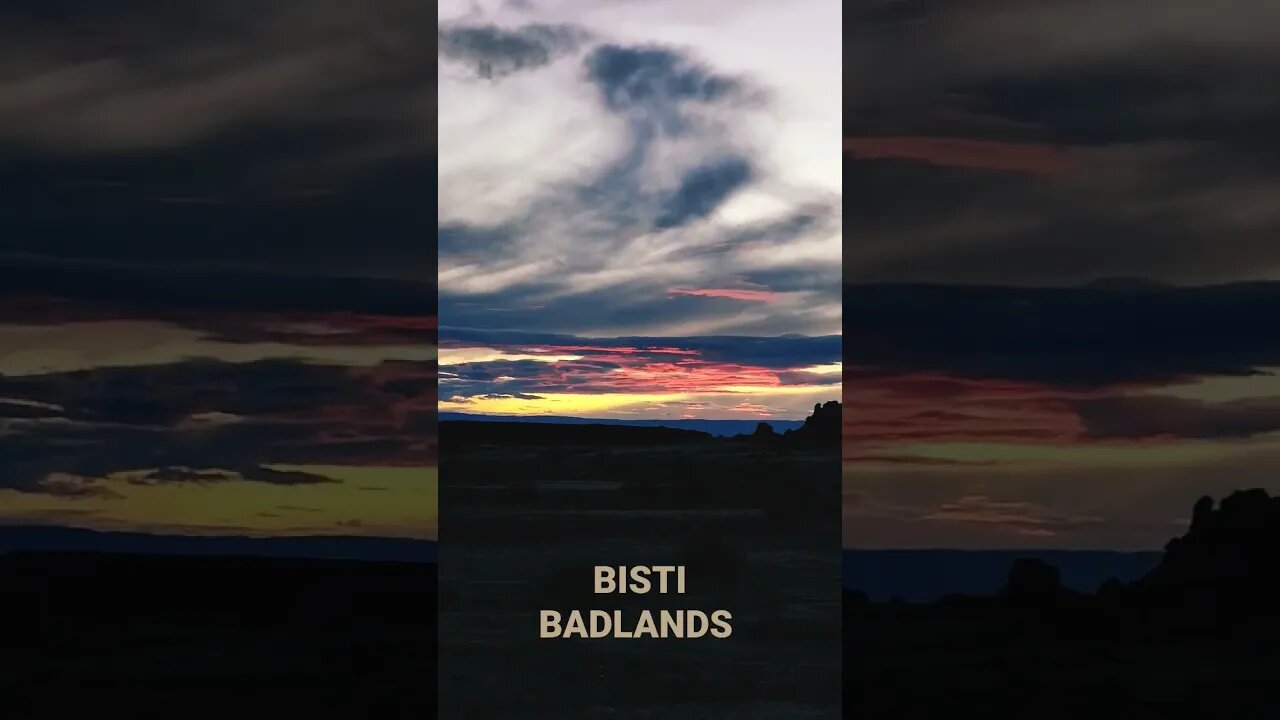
[609, 623]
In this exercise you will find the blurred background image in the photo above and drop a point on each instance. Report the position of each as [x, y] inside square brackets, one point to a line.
[217, 340]
[1056, 345]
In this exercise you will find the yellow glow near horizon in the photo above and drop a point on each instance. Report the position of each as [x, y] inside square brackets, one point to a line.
[718, 401]
[560, 403]
[74, 346]
[379, 501]
[458, 356]
[827, 369]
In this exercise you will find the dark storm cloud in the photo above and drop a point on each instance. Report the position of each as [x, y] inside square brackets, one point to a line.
[169, 475]
[654, 80]
[703, 189]
[31, 453]
[495, 52]
[413, 387]
[191, 419]
[1134, 418]
[785, 352]
[1092, 336]
[191, 133]
[655, 89]
[165, 394]
[618, 308]
[456, 240]
[1150, 126]
[646, 303]
[51, 290]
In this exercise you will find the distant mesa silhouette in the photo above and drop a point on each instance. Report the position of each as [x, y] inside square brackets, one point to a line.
[1035, 583]
[1196, 636]
[821, 429]
[468, 433]
[1228, 559]
[1225, 565]
[1221, 572]
[1220, 575]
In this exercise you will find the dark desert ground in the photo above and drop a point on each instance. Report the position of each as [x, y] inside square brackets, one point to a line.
[531, 508]
[214, 634]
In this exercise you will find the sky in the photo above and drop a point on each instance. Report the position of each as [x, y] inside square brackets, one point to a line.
[217, 278]
[1056, 298]
[639, 208]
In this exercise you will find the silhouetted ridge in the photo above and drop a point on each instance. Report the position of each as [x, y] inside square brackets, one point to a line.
[1228, 560]
[462, 433]
[1033, 582]
[821, 429]
[50, 538]
[717, 427]
[42, 588]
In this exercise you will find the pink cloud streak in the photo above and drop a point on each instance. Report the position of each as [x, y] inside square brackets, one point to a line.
[766, 296]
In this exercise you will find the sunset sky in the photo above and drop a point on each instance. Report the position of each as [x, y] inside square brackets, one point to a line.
[1056, 202]
[217, 278]
[639, 208]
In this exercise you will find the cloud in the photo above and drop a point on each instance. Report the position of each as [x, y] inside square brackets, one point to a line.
[1020, 516]
[1002, 159]
[1153, 416]
[1082, 337]
[1052, 142]
[744, 295]
[992, 155]
[237, 127]
[175, 77]
[495, 52]
[652, 82]
[636, 164]
[1142, 494]
[773, 352]
[488, 371]
[247, 474]
[94, 398]
[48, 290]
[702, 190]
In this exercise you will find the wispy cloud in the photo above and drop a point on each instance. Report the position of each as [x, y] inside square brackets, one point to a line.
[642, 174]
[528, 373]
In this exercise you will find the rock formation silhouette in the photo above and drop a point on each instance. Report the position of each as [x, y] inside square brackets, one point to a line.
[1217, 578]
[1196, 636]
[1222, 571]
[1033, 582]
[821, 429]
[764, 431]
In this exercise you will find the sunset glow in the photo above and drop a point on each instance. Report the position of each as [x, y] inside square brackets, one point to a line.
[656, 233]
